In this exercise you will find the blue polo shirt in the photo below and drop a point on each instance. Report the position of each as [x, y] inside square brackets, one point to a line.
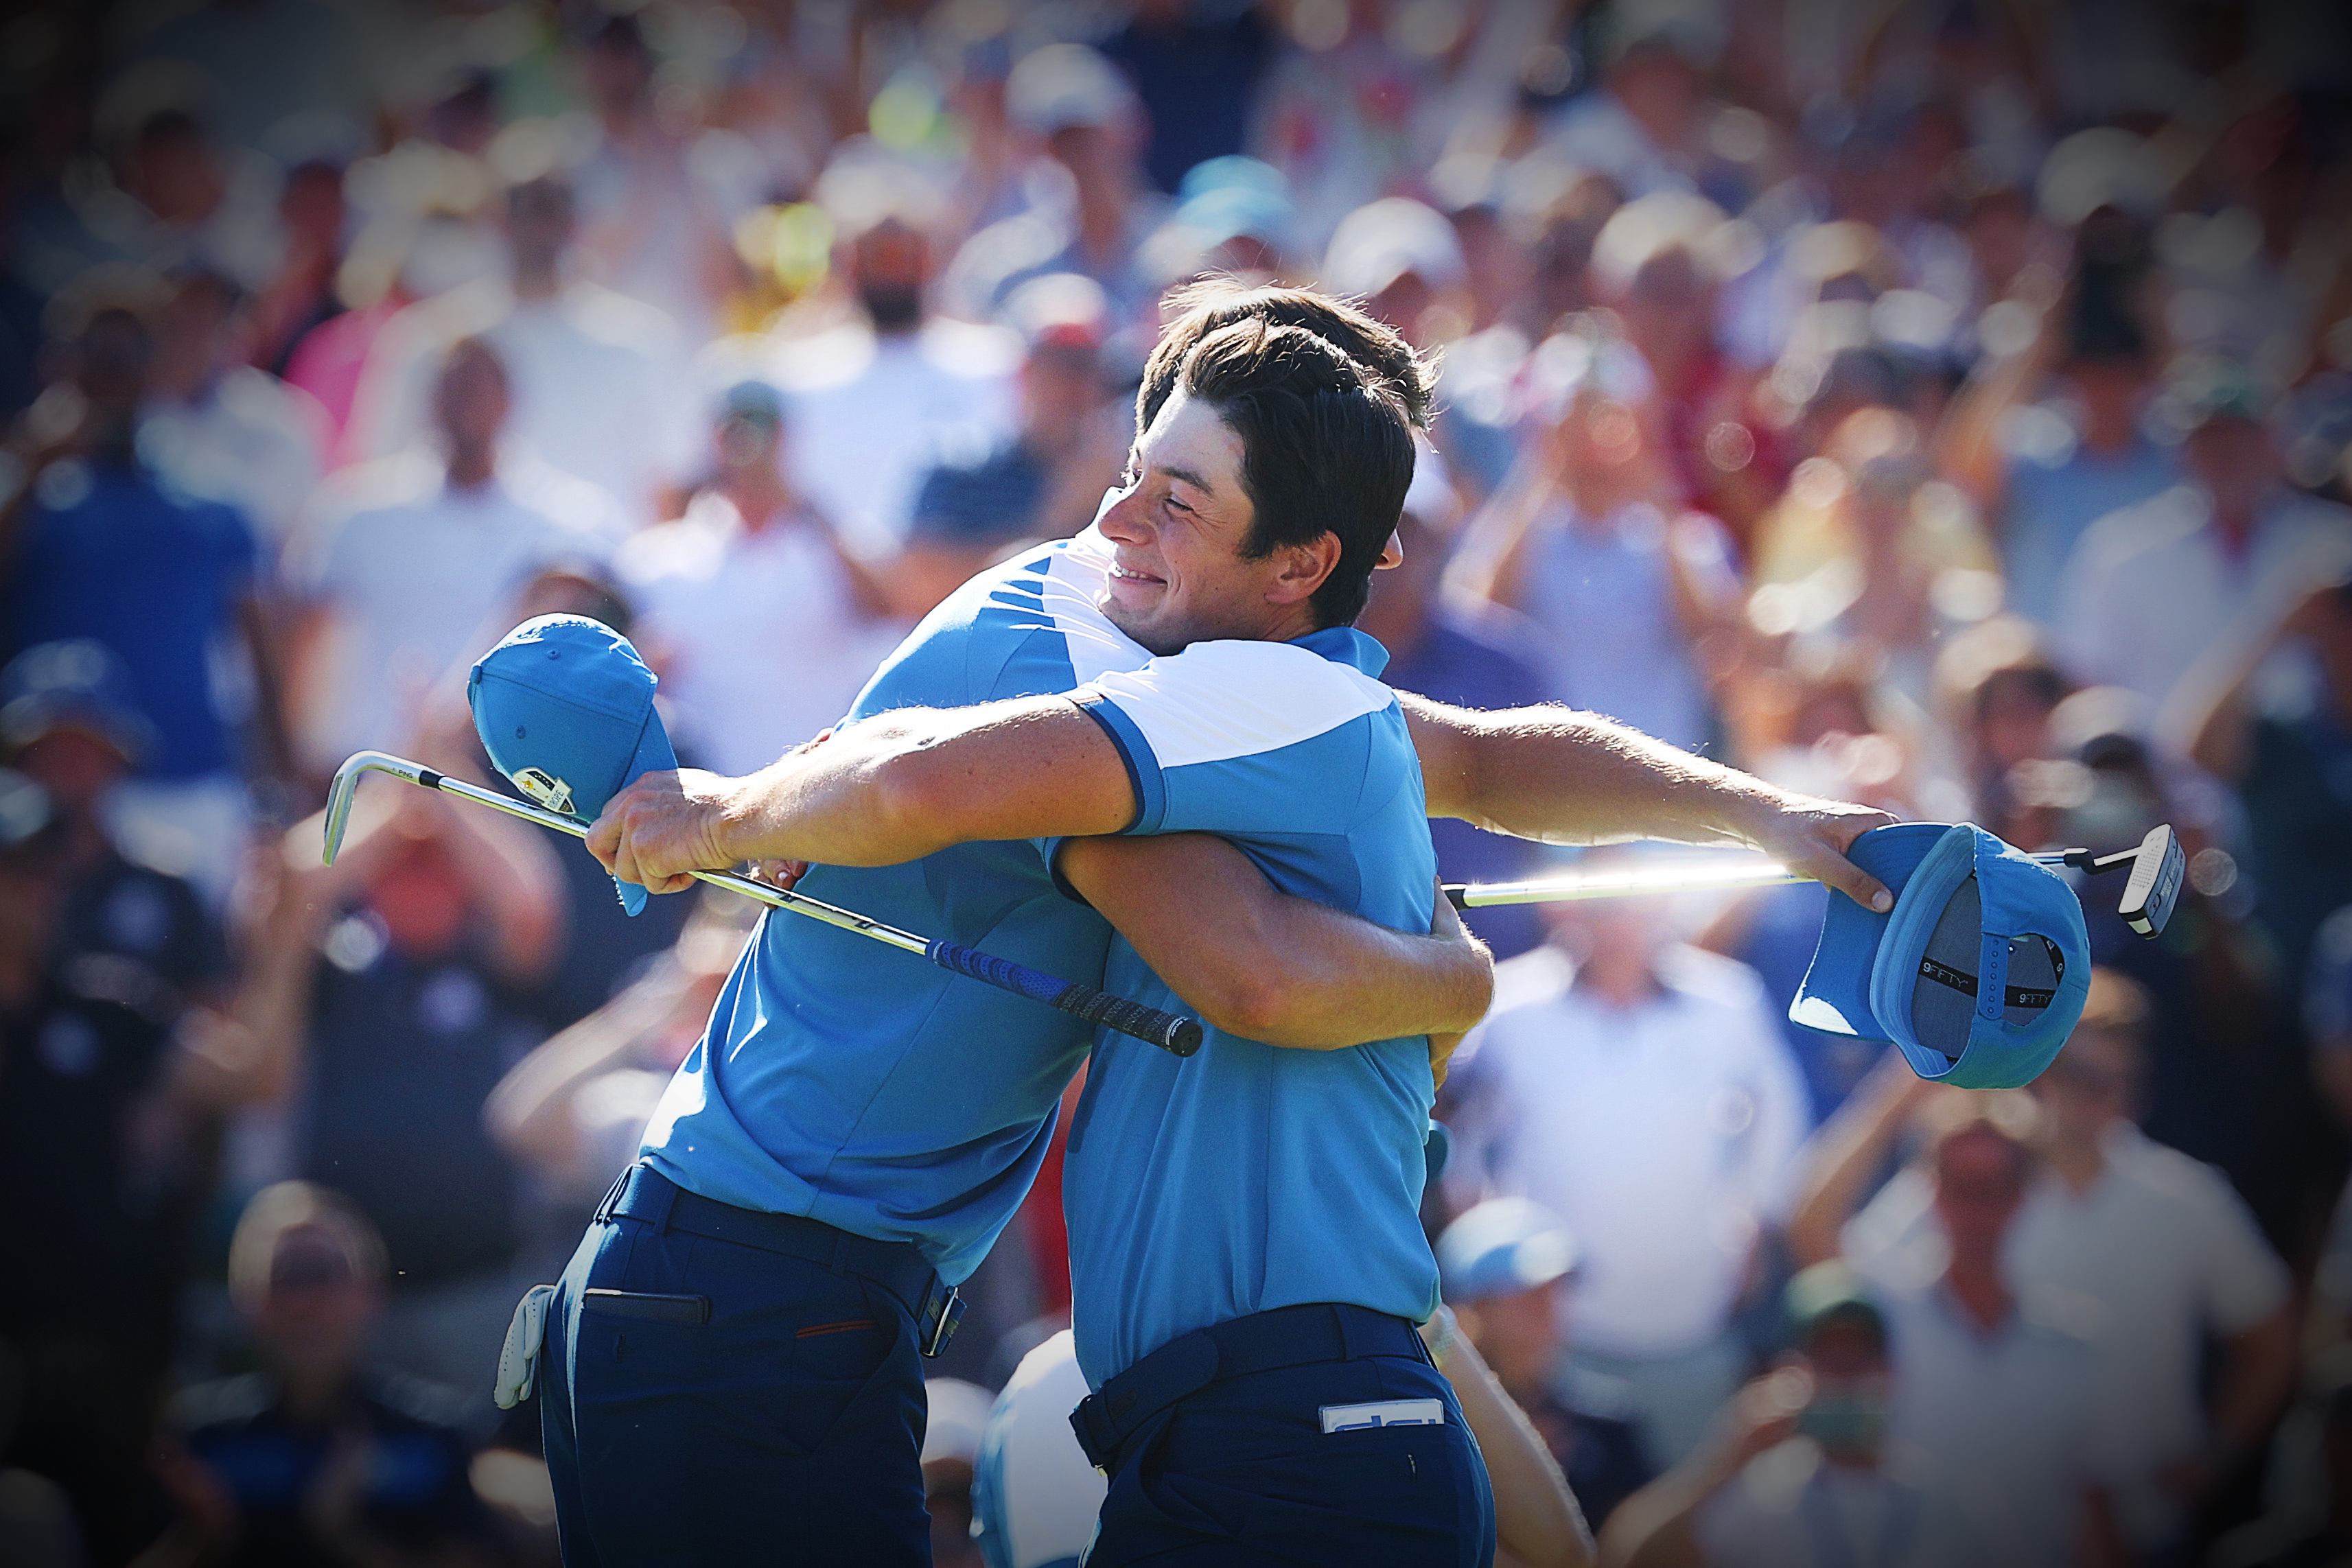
[1249, 1178]
[857, 1084]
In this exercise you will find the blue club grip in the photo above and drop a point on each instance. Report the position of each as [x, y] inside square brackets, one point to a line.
[1171, 1033]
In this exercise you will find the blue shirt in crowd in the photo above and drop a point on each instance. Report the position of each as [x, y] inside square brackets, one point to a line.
[989, 499]
[1247, 1177]
[2056, 490]
[111, 554]
[1487, 659]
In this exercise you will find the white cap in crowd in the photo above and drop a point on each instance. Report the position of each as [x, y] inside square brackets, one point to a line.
[1034, 1495]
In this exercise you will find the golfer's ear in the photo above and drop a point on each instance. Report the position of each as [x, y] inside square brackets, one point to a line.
[1304, 569]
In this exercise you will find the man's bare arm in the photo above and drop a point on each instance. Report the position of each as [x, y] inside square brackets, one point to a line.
[1570, 777]
[890, 788]
[1268, 966]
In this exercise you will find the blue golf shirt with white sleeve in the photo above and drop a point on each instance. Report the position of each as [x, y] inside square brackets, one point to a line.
[1249, 1178]
[855, 1084]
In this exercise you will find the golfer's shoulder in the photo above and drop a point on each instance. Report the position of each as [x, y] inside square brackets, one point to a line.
[1224, 699]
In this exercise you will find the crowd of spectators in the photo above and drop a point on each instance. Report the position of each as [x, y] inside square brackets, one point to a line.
[1940, 405]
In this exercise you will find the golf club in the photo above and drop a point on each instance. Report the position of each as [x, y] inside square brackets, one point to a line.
[2158, 867]
[1177, 1035]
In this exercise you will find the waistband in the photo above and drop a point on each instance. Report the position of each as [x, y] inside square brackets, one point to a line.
[1261, 1342]
[644, 1193]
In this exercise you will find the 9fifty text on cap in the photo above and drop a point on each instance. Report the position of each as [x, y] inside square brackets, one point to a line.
[1978, 975]
[565, 708]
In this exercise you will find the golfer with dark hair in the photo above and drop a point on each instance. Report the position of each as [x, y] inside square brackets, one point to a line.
[1198, 672]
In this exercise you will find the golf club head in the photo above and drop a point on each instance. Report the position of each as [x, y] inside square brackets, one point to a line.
[346, 785]
[2157, 874]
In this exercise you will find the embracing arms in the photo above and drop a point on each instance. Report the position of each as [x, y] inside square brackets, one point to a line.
[1271, 967]
[902, 785]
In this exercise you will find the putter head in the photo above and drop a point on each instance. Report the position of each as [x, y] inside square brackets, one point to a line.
[2158, 872]
[346, 784]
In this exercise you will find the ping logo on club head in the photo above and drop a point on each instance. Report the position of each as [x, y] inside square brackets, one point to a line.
[547, 789]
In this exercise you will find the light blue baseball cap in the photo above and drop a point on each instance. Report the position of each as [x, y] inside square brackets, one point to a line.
[1978, 975]
[565, 708]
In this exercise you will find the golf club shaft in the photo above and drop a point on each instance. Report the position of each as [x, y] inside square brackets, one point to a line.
[1172, 1032]
[1693, 878]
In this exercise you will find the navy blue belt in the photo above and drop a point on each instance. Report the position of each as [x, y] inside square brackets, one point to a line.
[643, 1193]
[1263, 1342]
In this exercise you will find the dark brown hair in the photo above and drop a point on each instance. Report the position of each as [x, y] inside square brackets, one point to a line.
[1326, 448]
[1215, 303]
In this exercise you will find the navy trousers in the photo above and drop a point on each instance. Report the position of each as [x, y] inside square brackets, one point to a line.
[787, 1428]
[1240, 1473]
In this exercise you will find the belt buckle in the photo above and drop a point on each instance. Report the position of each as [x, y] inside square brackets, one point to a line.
[938, 1328]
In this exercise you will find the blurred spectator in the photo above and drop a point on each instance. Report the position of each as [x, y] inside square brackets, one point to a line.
[1640, 126]
[1195, 67]
[318, 1457]
[1583, 545]
[196, 203]
[652, 226]
[1454, 649]
[110, 1094]
[1638, 1088]
[1092, 208]
[572, 1111]
[422, 933]
[99, 546]
[1045, 482]
[407, 558]
[2166, 1249]
[764, 625]
[2152, 587]
[2048, 470]
[2169, 1250]
[596, 375]
[870, 399]
[1996, 689]
[1997, 1373]
[221, 429]
[68, 723]
[1657, 262]
[2288, 760]
[1867, 544]
[2227, 1080]
[301, 295]
[1498, 1265]
[1798, 1472]
[1403, 260]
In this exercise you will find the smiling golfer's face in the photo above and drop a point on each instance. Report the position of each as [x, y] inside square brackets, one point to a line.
[1178, 575]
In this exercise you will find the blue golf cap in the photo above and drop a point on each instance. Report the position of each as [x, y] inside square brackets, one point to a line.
[1978, 975]
[565, 708]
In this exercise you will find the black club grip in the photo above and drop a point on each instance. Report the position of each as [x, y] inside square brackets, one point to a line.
[1180, 1036]
[1174, 1034]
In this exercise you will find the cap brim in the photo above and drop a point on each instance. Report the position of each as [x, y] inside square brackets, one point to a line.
[1835, 996]
[654, 755]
